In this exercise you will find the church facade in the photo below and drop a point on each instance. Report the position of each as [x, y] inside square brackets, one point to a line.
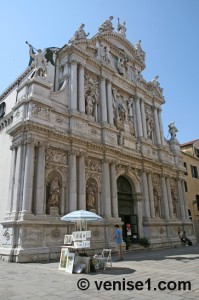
[82, 129]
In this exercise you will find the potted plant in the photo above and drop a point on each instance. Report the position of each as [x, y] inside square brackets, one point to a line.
[144, 242]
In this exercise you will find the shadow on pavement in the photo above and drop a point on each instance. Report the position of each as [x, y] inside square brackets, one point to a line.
[114, 271]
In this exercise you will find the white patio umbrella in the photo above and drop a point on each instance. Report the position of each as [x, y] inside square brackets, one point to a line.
[78, 215]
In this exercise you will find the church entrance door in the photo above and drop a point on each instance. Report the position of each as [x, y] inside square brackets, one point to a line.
[127, 209]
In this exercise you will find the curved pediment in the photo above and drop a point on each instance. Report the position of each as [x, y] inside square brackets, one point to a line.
[121, 45]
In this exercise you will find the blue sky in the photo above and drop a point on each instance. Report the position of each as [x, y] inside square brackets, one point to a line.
[169, 30]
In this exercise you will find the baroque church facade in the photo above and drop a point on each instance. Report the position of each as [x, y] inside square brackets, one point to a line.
[82, 129]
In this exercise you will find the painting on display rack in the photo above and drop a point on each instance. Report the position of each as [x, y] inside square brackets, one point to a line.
[70, 262]
[68, 239]
[63, 258]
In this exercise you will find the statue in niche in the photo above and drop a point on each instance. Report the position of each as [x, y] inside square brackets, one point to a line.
[121, 28]
[122, 66]
[122, 112]
[90, 200]
[89, 105]
[149, 126]
[54, 193]
[91, 190]
[104, 53]
[172, 131]
[107, 25]
[174, 202]
[156, 203]
[80, 34]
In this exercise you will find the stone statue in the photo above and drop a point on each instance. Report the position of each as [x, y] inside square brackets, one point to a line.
[89, 105]
[149, 126]
[121, 28]
[54, 193]
[39, 61]
[107, 25]
[90, 200]
[122, 66]
[104, 53]
[156, 203]
[155, 82]
[80, 34]
[172, 130]
[138, 46]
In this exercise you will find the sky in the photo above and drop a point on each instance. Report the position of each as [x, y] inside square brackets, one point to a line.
[168, 29]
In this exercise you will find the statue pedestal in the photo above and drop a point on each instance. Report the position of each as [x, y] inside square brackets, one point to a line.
[54, 211]
[174, 146]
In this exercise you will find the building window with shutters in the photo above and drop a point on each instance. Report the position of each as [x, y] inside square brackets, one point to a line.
[194, 171]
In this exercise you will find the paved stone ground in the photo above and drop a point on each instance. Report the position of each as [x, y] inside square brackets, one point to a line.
[141, 270]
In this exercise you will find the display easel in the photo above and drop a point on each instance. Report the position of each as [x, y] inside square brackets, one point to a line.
[79, 239]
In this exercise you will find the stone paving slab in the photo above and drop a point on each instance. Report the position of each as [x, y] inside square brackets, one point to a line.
[137, 277]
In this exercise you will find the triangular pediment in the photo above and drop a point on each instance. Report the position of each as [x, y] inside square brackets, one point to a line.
[120, 45]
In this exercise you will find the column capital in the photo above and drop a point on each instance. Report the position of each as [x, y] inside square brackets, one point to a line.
[73, 61]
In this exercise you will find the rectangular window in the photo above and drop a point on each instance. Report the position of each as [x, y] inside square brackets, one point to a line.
[196, 152]
[185, 186]
[194, 171]
[185, 166]
[197, 201]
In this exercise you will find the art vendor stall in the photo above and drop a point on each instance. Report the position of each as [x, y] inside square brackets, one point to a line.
[70, 260]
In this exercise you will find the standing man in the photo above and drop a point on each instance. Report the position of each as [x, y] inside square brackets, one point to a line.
[118, 241]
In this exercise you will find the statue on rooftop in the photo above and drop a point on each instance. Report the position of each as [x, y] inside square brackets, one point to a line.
[40, 59]
[80, 34]
[121, 28]
[107, 25]
[172, 131]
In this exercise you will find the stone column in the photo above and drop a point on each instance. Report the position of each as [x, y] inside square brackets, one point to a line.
[157, 126]
[106, 195]
[40, 181]
[143, 118]
[169, 197]
[81, 89]
[151, 198]
[138, 117]
[82, 183]
[109, 102]
[146, 195]
[185, 200]
[140, 215]
[72, 182]
[11, 181]
[181, 200]
[114, 191]
[165, 199]
[17, 179]
[73, 85]
[103, 100]
[28, 179]
[161, 126]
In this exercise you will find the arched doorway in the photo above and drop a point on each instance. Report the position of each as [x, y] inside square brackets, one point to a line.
[127, 208]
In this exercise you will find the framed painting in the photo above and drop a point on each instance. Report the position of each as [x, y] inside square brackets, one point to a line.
[63, 258]
[70, 262]
[68, 239]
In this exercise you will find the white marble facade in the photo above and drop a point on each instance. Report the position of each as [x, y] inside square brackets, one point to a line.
[76, 126]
